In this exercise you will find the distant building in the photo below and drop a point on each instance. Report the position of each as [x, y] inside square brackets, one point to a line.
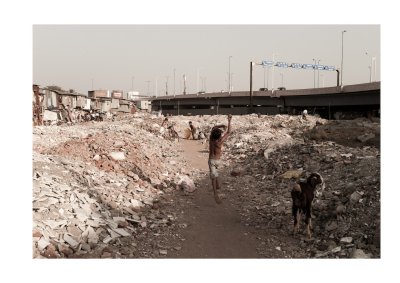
[132, 95]
[117, 94]
[98, 93]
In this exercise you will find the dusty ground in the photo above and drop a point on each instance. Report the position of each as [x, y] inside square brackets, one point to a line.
[136, 207]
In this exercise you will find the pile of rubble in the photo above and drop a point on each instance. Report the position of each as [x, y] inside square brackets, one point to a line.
[269, 157]
[106, 189]
[101, 186]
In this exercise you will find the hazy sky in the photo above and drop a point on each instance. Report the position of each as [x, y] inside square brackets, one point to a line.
[119, 56]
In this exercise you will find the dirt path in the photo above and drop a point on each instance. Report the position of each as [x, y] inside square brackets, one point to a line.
[213, 231]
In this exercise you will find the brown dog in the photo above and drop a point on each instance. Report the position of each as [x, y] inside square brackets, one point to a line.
[303, 194]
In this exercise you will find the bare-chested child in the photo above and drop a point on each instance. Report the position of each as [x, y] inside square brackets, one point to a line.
[216, 142]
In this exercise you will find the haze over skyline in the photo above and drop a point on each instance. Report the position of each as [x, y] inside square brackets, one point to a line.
[144, 57]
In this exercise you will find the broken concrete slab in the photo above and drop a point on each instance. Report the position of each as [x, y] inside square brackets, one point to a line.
[117, 155]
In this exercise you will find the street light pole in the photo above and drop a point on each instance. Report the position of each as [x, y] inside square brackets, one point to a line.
[318, 72]
[229, 76]
[166, 86]
[174, 81]
[341, 68]
[273, 70]
[315, 62]
[251, 87]
[370, 73]
[148, 88]
[264, 75]
[373, 65]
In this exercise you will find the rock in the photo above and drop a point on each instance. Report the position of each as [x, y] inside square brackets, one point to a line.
[346, 240]
[267, 152]
[163, 252]
[36, 233]
[347, 155]
[136, 204]
[340, 209]
[42, 244]
[318, 134]
[365, 137]
[331, 226]
[86, 247]
[235, 172]
[74, 231]
[358, 253]
[106, 255]
[292, 174]
[122, 232]
[68, 239]
[65, 250]
[50, 252]
[133, 175]
[355, 197]
[187, 184]
[119, 144]
[96, 157]
[131, 186]
[117, 155]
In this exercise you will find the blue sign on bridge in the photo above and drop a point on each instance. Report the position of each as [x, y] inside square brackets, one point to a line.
[269, 63]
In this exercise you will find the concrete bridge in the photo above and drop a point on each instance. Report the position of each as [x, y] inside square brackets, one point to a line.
[359, 98]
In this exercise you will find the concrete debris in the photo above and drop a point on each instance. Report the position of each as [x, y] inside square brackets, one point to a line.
[346, 240]
[98, 192]
[187, 184]
[117, 156]
[364, 138]
[43, 243]
[358, 253]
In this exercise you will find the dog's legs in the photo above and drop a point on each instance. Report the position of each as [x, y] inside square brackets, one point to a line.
[308, 220]
[295, 214]
[309, 231]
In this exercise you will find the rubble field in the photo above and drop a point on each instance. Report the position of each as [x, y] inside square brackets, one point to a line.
[124, 188]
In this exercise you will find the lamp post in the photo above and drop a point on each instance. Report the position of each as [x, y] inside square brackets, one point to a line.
[318, 72]
[372, 68]
[251, 87]
[166, 86]
[341, 65]
[264, 75]
[229, 76]
[373, 65]
[370, 74]
[273, 70]
[148, 88]
[174, 81]
[315, 63]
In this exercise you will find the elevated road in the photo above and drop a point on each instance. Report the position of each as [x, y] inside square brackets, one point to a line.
[362, 98]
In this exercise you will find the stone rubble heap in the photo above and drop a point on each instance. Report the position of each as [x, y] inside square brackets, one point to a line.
[266, 159]
[103, 189]
[96, 187]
